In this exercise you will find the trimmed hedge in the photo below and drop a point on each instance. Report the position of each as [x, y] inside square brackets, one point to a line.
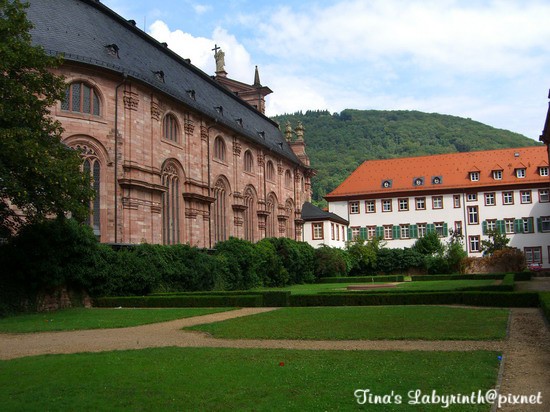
[180, 301]
[362, 279]
[545, 304]
[269, 298]
[496, 299]
[481, 276]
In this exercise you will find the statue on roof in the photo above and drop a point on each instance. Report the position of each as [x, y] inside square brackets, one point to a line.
[219, 56]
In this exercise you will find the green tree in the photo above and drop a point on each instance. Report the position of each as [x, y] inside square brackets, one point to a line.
[496, 241]
[38, 174]
[429, 245]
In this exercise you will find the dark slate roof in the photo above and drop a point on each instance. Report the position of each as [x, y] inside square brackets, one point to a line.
[311, 213]
[80, 29]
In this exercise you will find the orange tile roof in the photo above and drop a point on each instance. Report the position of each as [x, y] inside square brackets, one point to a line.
[452, 170]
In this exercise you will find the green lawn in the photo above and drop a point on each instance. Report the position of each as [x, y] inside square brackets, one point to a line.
[208, 379]
[80, 318]
[429, 285]
[367, 322]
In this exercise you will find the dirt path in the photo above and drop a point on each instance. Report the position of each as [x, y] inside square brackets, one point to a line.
[526, 352]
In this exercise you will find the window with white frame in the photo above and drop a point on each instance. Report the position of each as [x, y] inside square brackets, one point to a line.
[405, 231]
[420, 203]
[545, 223]
[527, 225]
[474, 243]
[317, 231]
[370, 206]
[437, 202]
[509, 225]
[386, 205]
[474, 176]
[458, 227]
[533, 254]
[473, 215]
[388, 232]
[403, 205]
[497, 174]
[472, 197]
[354, 233]
[456, 201]
[422, 229]
[544, 196]
[520, 173]
[491, 225]
[507, 198]
[543, 171]
[332, 234]
[354, 207]
[525, 196]
[439, 229]
[371, 232]
[490, 199]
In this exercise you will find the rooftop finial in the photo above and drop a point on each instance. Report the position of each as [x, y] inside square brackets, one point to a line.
[219, 56]
[257, 78]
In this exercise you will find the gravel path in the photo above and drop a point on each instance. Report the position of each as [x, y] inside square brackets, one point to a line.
[526, 352]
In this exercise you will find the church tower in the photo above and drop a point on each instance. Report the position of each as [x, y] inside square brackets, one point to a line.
[254, 94]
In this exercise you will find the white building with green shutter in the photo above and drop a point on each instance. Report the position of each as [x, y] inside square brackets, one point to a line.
[402, 199]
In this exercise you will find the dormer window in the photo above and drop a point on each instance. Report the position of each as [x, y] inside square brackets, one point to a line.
[474, 176]
[436, 180]
[386, 184]
[520, 173]
[497, 174]
[418, 181]
[543, 171]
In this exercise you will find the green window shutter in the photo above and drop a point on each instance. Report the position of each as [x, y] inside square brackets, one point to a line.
[530, 225]
[380, 231]
[395, 230]
[445, 229]
[501, 227]
[349, 234]
[518, 225]
[430, 227]
[539, 224]
[484, 227]
[414, 231]
[363, 232]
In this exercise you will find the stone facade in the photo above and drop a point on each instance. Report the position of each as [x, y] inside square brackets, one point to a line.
[133, 169]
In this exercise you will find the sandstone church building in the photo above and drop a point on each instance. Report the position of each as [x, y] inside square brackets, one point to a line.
[175, 155]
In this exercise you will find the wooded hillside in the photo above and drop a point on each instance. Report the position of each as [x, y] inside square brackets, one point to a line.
[338, 143]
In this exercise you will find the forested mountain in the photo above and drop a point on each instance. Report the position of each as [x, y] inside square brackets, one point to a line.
[338, 143]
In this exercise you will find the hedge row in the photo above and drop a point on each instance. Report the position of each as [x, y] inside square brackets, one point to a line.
[545, 304]
[269, 298]
[360, 279]
[496, 299]
[179, 301]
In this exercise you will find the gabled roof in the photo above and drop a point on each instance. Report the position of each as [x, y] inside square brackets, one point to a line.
[421, 174]
[81, 30]
[311, 212]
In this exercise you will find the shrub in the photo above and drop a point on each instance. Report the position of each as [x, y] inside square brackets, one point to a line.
[298, 258]
[241, 260]
[429, 244]
[331, 262]
[272, 271]
[363, 256]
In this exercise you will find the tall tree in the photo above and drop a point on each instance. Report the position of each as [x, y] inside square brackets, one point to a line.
[39, 175]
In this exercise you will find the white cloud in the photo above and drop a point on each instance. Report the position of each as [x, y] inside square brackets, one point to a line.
[201, 8]
[199, 50]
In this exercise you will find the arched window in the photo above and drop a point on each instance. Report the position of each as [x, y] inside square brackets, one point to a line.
[219, 149]
[288, 179]
[92, 167]
[249, 214]
[289, 209]
[220, 211]
[170, 129]
[270, 170]
[170, 205]
[248, 161]
[80, 97]
[271, 223]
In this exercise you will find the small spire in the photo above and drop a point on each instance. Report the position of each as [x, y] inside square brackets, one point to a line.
[300, 131]
[257, 78]
[288, 131]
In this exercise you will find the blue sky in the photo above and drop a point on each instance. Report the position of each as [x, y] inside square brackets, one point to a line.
[481, 59]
